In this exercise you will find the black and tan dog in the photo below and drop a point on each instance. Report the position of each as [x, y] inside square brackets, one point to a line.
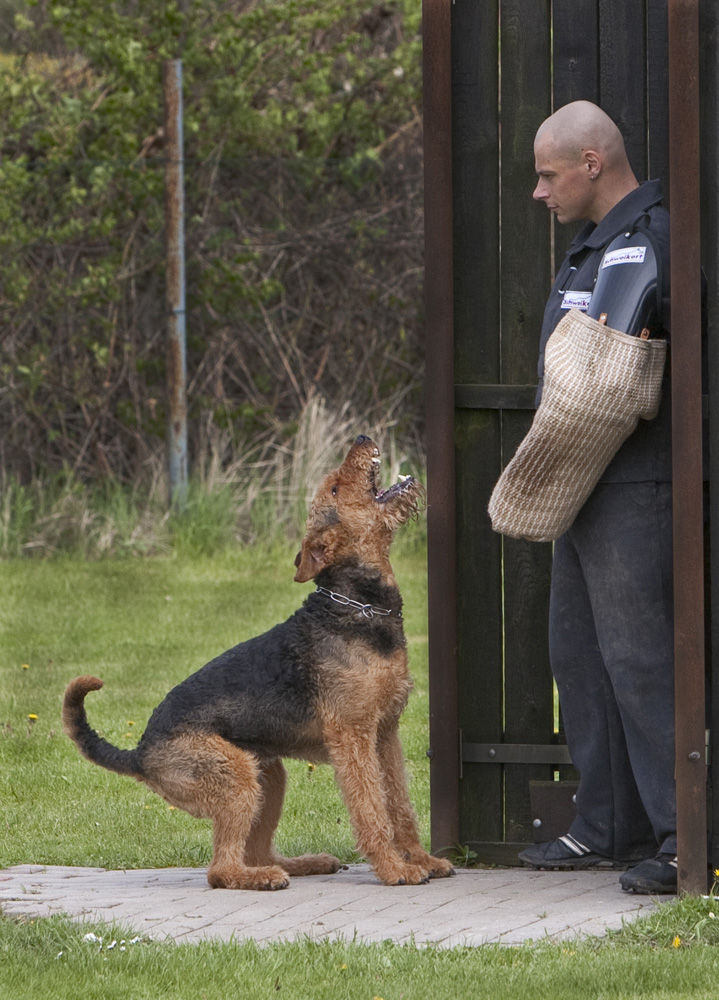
[327, 685]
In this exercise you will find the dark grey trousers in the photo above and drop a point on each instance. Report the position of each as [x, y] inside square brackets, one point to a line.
[611, 647]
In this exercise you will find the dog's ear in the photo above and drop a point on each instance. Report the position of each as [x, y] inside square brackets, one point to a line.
[310, 560]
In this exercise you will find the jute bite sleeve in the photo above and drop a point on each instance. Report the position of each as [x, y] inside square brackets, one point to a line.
[598, 383]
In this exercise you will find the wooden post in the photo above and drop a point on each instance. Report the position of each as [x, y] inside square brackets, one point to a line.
[687, 444]
[439, 313]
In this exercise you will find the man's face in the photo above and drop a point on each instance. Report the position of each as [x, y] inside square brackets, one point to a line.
[564, 185]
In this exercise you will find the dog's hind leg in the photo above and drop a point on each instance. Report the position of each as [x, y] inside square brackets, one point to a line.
[259, 850]
[213, 779]
[402, 814]
[359, 775]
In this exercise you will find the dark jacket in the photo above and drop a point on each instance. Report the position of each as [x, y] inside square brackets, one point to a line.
[646, 454]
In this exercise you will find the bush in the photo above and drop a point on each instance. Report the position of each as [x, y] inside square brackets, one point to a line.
[303, 226]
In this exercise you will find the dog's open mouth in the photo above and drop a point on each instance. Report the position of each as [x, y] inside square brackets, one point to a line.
[404, 484]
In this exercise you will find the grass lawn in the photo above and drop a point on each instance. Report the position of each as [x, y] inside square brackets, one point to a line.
[143, 625]
[672, 954]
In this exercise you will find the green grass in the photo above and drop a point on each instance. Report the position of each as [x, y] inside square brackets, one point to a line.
[49, 958]
[144, 624]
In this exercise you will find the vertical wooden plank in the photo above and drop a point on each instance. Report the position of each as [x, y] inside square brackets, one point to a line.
[622, 74]
[475, 179]
[709, 93]
[575, 51]
[658, 93]
[575, 76]
[444, 755]
[475, 128]
[525, 282]
[529, 709]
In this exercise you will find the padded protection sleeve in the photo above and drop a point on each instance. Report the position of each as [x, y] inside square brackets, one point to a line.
[627, 291]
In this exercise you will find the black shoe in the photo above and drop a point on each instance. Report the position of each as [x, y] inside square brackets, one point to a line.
[655, 875]
[565, 853]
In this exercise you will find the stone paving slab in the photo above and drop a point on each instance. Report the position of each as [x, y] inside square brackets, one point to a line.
[475, 907]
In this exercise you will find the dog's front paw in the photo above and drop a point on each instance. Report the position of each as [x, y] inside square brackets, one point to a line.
[403, 873]
[436, 867]
[272, 878]
[267, 877]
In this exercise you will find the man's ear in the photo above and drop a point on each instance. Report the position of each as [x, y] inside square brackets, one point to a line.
[592, 163]
[309, 561]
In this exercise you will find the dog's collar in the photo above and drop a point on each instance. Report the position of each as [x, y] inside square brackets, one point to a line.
[368, 610]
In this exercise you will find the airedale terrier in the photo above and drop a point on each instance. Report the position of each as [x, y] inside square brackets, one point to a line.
[328, 685]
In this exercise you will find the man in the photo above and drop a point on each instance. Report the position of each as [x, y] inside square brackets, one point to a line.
[610, 630]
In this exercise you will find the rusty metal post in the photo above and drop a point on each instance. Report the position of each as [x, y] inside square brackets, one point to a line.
[175, 279]
[439, 318]
[687, 443]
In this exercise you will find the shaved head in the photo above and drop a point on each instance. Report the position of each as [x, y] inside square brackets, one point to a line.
[581, 163]
[580, 126]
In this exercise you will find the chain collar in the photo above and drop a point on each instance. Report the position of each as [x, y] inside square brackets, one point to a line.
[368, 610]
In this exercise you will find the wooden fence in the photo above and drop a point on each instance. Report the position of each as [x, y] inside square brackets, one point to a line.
[497, 68]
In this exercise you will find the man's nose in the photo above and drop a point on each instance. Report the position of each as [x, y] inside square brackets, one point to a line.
[540, 192]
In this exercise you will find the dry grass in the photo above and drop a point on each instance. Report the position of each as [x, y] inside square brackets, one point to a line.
[259, 495]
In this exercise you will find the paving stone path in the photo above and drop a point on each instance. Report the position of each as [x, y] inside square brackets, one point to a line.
[475, 907]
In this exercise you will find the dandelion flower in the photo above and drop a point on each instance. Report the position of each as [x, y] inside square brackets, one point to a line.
[26, 666]
[676, 943]
[32, 716]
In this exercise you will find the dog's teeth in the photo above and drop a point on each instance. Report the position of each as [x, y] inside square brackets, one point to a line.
[402, 479]
[376, 461]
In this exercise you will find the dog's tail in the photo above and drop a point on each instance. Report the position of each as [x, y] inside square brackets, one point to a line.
[88, 742]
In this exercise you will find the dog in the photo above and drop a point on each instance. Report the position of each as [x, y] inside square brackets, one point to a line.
[327, 686]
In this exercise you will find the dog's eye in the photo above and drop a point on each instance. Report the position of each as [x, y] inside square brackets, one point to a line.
[335, 490]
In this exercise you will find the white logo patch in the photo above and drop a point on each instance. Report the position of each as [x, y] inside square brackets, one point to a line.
[576, 300]
[632, 255]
